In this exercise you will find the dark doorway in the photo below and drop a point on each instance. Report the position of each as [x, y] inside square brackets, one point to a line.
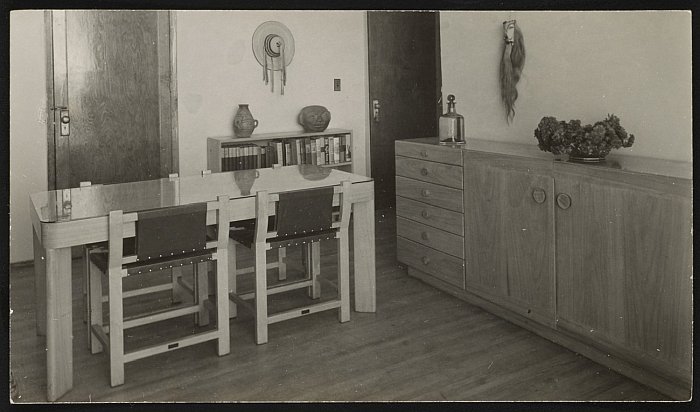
[404, 89]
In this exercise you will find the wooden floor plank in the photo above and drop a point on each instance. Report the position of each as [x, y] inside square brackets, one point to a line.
[421, 344]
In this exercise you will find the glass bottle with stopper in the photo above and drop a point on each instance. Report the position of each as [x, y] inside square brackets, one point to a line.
[451, 124]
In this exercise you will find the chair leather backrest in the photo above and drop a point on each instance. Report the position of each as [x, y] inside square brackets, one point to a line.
[171, 231]
[304, 211]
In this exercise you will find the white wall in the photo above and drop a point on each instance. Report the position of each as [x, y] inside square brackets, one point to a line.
[217, 71]
[579, 65]
[28, 149]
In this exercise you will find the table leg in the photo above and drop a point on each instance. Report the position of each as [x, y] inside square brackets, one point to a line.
[40, 285]
[363, 236]
[59, 323]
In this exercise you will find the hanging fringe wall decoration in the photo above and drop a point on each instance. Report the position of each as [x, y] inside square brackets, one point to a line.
[273, 47]
[512, 64]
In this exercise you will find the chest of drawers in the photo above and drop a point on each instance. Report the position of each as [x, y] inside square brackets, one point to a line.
[429, 210]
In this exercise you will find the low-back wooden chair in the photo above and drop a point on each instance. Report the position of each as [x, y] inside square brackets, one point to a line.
[163, 238]
[303, 217]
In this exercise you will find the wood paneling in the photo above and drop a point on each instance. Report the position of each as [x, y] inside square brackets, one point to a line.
[429, 236]
[447, 220]
[436, 195]
[432, 172]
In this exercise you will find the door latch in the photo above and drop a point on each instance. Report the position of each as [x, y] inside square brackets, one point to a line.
[63, 119]
[375, 110]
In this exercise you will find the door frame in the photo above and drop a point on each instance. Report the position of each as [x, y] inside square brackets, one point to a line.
[57, 95]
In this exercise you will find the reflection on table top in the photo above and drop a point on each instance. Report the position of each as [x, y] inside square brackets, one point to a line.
[99, 200]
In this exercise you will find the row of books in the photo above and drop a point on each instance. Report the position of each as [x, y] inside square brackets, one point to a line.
[325, 150]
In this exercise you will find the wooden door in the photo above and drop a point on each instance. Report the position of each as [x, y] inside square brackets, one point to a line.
[111, 81]
[404, 80]
[485, 263]
[509, 233]
[528, 238]
[624, 265]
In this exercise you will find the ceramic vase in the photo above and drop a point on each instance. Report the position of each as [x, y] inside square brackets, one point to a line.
[243, 122]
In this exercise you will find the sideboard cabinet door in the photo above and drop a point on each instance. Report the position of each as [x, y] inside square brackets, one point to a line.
[624, 267]
[509, 233]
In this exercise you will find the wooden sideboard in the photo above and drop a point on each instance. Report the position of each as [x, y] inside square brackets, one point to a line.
[596, 257]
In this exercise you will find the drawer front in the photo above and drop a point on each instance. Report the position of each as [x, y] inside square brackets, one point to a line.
[435, 153]
[429, 236]
[432, 172]
[441, 265]
[444, 219]
[433, 194]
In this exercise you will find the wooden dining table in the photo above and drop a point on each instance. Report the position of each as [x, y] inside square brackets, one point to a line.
[62, 219]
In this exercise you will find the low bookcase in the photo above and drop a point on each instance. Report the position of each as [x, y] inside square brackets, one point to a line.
[330, 148]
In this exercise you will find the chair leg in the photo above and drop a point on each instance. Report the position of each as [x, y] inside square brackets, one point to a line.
[282, 263]
[344, 275]
[201, 280]
[116, 331]
[313, 269]
[260, 294]
[86, 286]
[222, 315]
[178, 291]
[95, 298]
[232, 307]
[86, 293]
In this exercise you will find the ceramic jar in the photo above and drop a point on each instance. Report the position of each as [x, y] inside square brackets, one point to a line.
[243, 122]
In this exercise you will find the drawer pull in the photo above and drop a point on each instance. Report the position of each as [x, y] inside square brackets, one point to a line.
[424, 172]
[425, 214]
[424, 153]
[539, 195]
[425, 192]
[425, 260]
[424, 235]
[563, 201]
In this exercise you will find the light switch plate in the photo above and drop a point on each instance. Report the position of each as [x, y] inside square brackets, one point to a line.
[336, 85]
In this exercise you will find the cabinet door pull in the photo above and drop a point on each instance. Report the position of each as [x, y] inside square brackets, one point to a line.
[424, 235]
[424, 153]
[424, 172]
[563, 201]
[425, 214]
[539, 195]
[425, 192]
[425, 260]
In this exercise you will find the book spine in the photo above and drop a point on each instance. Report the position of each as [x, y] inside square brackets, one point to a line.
[342, 148]
[312, 144]
[297, 151]
[336, 149]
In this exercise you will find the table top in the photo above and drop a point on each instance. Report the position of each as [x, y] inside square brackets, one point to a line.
[98, 200]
